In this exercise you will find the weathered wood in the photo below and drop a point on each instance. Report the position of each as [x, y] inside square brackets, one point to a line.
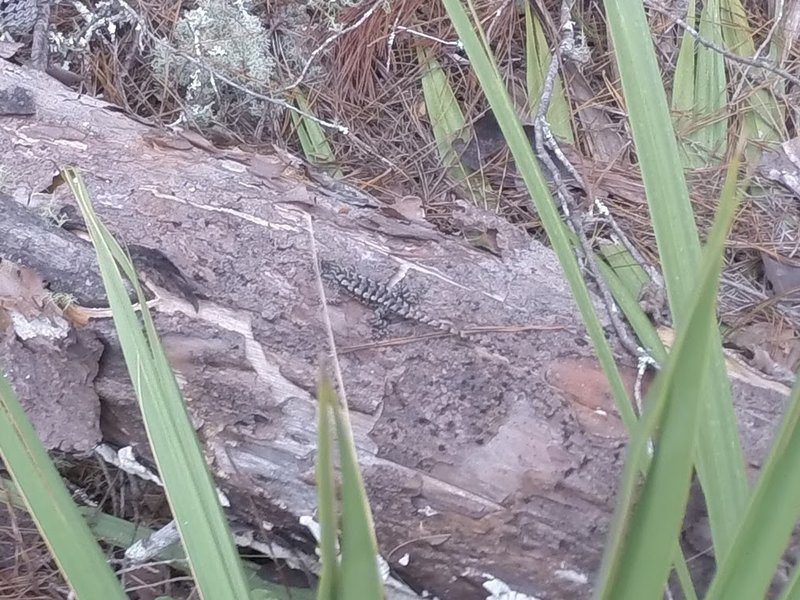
[69, 266]
[478, 462]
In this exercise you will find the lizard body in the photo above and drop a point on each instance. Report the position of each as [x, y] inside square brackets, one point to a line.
[385, 300]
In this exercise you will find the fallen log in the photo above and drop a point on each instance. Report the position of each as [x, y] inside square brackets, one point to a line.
[489, 459]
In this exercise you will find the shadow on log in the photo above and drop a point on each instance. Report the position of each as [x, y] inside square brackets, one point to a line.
[492, 459]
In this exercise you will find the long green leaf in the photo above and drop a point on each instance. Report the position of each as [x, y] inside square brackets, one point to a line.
[768, 522]
[719, 460]
[63, 529]
[316, 147]
[625, 294]
[683, 85]
[189, 487]
[747, 570]
[445, 114]
[792, 589]
[707, 140]
[764, 116]
[640, 552]
[447, 122]
[359, 575]
[121, 534]
[326, 493]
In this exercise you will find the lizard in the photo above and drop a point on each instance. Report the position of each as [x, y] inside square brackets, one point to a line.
[387, 301]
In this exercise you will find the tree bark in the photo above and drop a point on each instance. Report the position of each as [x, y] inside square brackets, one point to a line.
[491, 460]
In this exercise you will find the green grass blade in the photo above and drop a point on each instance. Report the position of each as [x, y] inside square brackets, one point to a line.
[708, 139]
[64, 531]
[629, 272]
[447, 123]
[764, 116]
[792, 589]
[359, 574]
[719, 460]
[683, 85]
[445, 114]
[326, 493]
[316, 147]
[625, 283]
[747, 570]
[189, 487]
[750, 565]
[627, 300]
[121, 534]
[771, 514]
[641, 547]
[655, 143]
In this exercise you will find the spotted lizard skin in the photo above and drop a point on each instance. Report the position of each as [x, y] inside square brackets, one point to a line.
[385, 300]
[17, 17]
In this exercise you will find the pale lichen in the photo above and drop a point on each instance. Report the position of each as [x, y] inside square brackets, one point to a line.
[226, 37]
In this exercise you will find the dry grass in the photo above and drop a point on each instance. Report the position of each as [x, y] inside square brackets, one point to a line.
[27, 571]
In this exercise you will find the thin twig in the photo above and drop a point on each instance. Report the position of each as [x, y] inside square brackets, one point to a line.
[390, 42]
[328, 42]
[458, 43]
[776, 21]
[543, 135]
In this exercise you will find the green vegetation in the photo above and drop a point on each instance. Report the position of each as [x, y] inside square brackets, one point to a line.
[687, 425]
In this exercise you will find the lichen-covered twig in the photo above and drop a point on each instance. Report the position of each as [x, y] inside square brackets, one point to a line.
[40, 53]
[544, 141]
